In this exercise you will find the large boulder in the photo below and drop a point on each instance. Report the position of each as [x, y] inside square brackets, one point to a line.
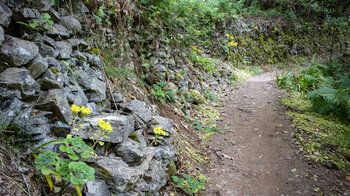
[131, 152]
[55, 102]
[71, 23]
[5, 15]
[91, 81]
[122, 127]
[17, 52]
[19, 79]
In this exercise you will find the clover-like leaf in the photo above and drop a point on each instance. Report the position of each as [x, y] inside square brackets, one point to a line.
[73, 156]
[63, 148]
[85, 155]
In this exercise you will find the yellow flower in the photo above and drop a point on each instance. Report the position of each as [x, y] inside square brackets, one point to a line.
[69, 136]
[256, 27]
[159, 131]
[232, 43]
[85, 111]
[227, 35]
[105, 126]
[75, 109]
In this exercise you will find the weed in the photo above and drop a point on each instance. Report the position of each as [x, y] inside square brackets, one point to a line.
[161, 93]
[189, 184]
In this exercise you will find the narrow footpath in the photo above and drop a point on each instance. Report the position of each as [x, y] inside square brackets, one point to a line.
[257, 153]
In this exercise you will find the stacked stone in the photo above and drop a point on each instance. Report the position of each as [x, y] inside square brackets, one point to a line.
[44, 72]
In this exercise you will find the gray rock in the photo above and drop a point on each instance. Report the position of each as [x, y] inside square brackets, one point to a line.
[71, 23]
[50, 81]
[2, 35]
[122, 127]
[7, 94]
[95, 61]
[78, 44]
[19, 79]
[165, 153]
[32, 122]
[38, 66]
[55, 16]
[55, 102]
[60, 129]
[118, 175]
[43, 5]
[79, 55]
[53, 63]
[17, 52]
[65, 49]
[76, 95]
[57, 30]
[155, 177]
[47, 51]
[118, 97]
[5, 15]
[97, 188]
[80, 8]
[9, 109]
[28, 13]
[48, 41]
[94, 88]
[165, 123]
[139, 110]
[131, 152]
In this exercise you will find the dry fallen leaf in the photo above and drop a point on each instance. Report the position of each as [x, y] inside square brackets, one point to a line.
[348, 178]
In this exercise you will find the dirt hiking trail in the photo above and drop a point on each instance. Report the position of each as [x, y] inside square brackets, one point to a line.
[257, 153]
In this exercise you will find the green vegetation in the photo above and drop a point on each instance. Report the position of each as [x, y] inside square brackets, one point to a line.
[38, 24]
[321, 94]
[162, 93]
[189, 184]
[73, 170]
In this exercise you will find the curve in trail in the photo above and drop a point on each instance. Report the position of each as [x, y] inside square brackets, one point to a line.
[255, 155]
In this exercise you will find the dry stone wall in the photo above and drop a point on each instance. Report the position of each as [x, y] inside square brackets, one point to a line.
[45, 71]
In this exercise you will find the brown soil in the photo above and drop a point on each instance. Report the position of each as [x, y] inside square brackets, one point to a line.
[257, 153]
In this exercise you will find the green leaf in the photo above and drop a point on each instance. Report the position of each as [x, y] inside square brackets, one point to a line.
[175, 178]
[46, 171]
[101, 143]
[74, 180]
[23, 23]
[85, 155]
[32, 25]
[74, 157]
[63, 148]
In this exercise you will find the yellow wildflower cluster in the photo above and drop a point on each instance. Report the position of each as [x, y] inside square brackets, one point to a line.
[83, 110]
[105, 126]
[230, 36]
[75, 109]
[159, 131]
[232, 43]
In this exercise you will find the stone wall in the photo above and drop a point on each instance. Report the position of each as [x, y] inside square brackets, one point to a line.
[46, 70]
